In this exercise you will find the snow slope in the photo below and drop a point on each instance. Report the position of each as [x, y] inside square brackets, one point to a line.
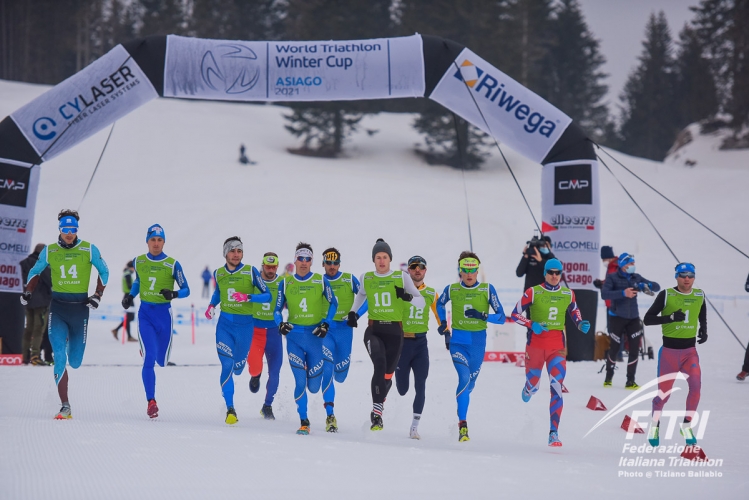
[171, 162]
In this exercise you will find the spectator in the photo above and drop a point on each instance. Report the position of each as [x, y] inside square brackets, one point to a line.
[610, 261]
[535, 255]
[207, 276]
[37, 310]
[127, 285]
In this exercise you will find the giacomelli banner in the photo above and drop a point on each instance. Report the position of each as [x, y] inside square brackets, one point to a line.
[103, 92]
[524, 121]
[18, 185]
[570, 211]
[294, 71]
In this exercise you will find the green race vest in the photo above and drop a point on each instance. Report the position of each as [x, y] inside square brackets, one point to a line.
[154, 276]
[265, 311]
[462, 299]
[549, 308]
[417, 320]
[238, 281]
[70, 267]
[305, 300]
[690, 304]
[383, 304]
[343, 288]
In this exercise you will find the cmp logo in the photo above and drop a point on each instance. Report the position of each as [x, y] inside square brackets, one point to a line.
[14, 185]
[572, 185]
[231, 68]
[496, 93]
[43, 128]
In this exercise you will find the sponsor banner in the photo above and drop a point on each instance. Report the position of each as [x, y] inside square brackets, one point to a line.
[11, 359]
[500, 106]
[105, 91]
[570, 210]
[294, 71]
[18, 186]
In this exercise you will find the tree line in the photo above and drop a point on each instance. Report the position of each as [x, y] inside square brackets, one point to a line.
[545, 45]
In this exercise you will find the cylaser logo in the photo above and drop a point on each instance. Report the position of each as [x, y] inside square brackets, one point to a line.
[491, 89]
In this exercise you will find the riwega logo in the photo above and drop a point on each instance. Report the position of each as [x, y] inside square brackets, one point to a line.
[14, 185]
[572, 185]
[231, 68]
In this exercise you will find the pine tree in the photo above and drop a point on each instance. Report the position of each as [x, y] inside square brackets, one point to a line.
[695, 95]
[162, 17]
[238, 19]
[649, 124]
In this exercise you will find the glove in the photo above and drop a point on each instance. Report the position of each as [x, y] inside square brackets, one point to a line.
[645, 288]
[442, 329]
[447, 340]
[168, 294]
[538, 328]
[351, 320]
[25, 298]
[285, 328]
[93, 301]
[473, 313]
[321, 331]
[678, 316]
[702, 336]
[210, 311]
[240, 297]
[598, 283]
[584, 326]
[127, 301]
[403, 295]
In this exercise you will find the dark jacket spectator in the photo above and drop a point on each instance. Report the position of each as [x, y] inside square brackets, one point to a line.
[42, 294]
[614, 290]
[532, 265]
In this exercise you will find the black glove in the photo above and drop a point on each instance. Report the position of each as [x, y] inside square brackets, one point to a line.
[702, 336]
[598, 284]
[473, 313]
[403, 295]
[677, 316]
[168, 294]
[442, 329]
[447, 341]
[93, 301]
[321, 331]
[25, 298]
[285, 328]
[351, 320]
[127, 301]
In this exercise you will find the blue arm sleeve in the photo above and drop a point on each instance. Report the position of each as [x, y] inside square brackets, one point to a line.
[498, 317]
[40, 265]
[99, 264]
[356, 284]
[363, 309]
[135, 289]
[280, 301]
[442, 302]
[264, 295]
[179, 277]
[216, 298]
[331, 298]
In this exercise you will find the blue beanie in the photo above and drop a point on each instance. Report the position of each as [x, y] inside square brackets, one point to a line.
[555, 264]
[155, 230]
[684, 267]
[68, 221]
[607, 252]
[625, 259]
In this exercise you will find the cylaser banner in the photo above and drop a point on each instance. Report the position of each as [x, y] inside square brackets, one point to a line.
[570, 210]
[294, 71]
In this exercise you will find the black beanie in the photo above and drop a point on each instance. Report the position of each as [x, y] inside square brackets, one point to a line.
[381, 246]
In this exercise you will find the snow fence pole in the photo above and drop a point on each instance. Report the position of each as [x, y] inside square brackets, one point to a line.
[192, 320]
[124, 328]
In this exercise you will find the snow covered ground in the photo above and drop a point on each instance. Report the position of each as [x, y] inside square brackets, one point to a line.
[172, 162]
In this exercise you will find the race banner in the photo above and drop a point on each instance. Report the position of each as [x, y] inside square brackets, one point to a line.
[18, 186]
[77, 108]
[570, 211]
[294, 71]
[500, 106]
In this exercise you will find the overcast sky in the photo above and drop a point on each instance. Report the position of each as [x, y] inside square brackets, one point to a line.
[619, 26]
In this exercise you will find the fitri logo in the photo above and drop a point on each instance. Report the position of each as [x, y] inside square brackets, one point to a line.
[230, 68]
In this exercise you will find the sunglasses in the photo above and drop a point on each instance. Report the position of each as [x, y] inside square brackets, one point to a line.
[304, 259]
[686, 275]
[417, 266]
[331, 262]
[553, 272]
[69, 230]
[469, 271]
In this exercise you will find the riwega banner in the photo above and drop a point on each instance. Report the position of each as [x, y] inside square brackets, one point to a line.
[332, 70]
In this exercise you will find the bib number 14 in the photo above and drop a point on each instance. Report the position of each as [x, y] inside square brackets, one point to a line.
[72, 272]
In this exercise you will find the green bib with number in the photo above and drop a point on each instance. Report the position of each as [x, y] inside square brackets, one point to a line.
[550, 307]
[383, 303]
[343, 288]
[264, 311]
[462, 299]
[70, 267]
[690, 304]
[305, 300]
[229, 283]
[154, 276]
[416, 320]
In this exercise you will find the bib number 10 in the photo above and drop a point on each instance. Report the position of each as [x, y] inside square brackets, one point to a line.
[383, 299]
[72, 272]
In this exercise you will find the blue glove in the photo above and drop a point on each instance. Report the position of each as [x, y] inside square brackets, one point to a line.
[442, 328]
[584, 326]
[538, 328]
[473, 313]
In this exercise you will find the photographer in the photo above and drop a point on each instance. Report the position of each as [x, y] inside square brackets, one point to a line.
[535, 254]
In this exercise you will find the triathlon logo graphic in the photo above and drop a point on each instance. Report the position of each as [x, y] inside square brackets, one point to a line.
[230, 68]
